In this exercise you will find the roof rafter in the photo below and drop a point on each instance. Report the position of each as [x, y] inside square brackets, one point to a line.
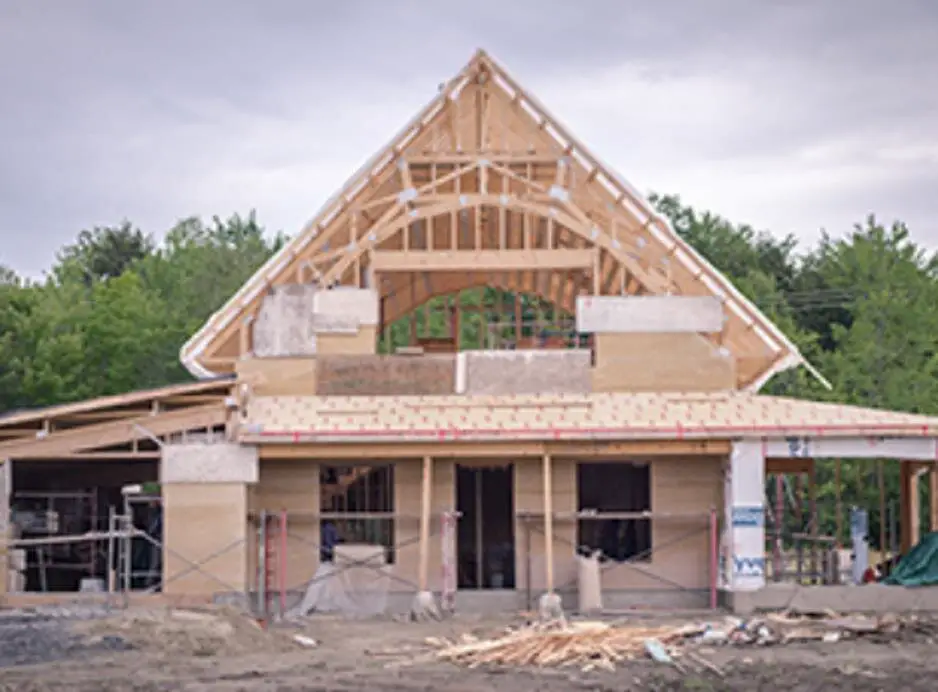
[485, 158]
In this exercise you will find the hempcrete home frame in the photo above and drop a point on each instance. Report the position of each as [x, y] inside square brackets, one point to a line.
[483, 188]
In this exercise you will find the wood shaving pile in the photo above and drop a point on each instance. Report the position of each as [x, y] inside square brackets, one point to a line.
[588, 645]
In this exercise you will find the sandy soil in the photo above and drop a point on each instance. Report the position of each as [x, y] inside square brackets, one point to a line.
[220, 651]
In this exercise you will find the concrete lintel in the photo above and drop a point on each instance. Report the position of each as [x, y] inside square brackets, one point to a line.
[906, 448]
[209, 463]
[649, 314]
[356, 304]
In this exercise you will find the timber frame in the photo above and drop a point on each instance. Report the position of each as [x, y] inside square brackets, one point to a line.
[121, 427]
[484, 187]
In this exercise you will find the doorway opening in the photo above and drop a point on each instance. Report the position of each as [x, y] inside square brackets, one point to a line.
[486, 533]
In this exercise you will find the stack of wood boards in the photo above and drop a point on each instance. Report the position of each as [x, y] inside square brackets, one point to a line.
[588, 645]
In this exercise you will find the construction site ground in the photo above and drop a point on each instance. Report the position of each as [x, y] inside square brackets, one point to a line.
[78, 649]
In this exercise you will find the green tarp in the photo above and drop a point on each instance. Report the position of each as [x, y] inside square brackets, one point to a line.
[918, 567]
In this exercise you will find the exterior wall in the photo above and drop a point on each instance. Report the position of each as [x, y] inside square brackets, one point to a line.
[199, 522]
[205, 491]
[291, 485]
[278, 376]
[681, 547]
[408, 476]
[529, 497]
[660, 363]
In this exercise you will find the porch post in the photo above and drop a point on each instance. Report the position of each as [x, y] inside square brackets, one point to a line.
[548, 524]
[424, 605]
[550, 607]
[744, 561]
[425, 493]
[933, 496]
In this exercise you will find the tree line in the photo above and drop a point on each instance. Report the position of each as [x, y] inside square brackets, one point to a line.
[111, 313]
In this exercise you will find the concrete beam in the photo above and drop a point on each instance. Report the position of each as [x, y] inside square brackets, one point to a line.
[649, 314]
[209, 463]
[907, 448]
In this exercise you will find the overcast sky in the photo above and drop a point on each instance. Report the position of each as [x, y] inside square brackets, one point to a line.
[792, 116]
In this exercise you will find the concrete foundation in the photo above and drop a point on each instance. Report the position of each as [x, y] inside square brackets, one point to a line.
[869, 598]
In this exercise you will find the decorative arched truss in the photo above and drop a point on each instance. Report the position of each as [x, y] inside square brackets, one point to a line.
[485, 188]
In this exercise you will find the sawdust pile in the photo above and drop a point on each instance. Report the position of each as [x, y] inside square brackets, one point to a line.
[185, 632]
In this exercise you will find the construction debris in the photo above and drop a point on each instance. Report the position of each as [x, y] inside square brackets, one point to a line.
[595, 645]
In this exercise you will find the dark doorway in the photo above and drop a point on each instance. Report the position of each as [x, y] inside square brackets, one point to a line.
[486, 534]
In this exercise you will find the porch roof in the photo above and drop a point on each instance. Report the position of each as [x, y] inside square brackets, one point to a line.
[723, 415]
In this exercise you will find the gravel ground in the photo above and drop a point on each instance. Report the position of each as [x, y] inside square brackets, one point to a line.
[161, 650]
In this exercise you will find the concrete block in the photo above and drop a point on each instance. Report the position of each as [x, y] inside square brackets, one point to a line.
[345, 304]
[284, 325]
[209, 463]
[528, 372]
[648, 314]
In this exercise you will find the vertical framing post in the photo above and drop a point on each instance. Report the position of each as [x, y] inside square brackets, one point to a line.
[425, 493]
[881, 481]
[933, 496]
[813, 530]
[906, 504]
[262, 567]
[282, 560]
[714, 557]
[839, 503]
[548, 524]
[779, 525]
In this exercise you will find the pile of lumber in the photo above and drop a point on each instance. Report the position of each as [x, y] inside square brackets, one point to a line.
[587, 645]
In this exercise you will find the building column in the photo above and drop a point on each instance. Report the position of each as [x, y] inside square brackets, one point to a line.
[205, 517]
[744, 534]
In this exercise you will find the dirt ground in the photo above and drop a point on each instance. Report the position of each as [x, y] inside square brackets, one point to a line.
[184, 650]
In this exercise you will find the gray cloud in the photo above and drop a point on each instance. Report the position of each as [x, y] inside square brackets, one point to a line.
[790, 115]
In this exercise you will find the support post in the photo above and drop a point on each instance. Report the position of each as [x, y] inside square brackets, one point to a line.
[933, 496]
[906, 477]
[714, 557]
[746, 521]
[550, 605]
[425, 488]
[424, 606]
[282, 562]
[548, 523]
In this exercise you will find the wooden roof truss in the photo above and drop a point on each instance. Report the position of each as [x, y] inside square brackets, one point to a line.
[484, 187]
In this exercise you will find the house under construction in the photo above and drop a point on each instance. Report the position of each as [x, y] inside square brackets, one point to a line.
[635, 430]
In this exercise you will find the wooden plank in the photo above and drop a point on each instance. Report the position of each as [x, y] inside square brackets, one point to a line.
[480, 260]
[109, 402]
[115, 432]
[594, 451]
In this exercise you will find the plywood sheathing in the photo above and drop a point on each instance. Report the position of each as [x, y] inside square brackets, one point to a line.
[663, 362]
[484, 167]
[551, 417]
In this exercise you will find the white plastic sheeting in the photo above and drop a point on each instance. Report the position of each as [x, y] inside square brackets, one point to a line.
[355, 585]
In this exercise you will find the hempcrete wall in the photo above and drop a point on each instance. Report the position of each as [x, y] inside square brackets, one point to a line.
[681, 546]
